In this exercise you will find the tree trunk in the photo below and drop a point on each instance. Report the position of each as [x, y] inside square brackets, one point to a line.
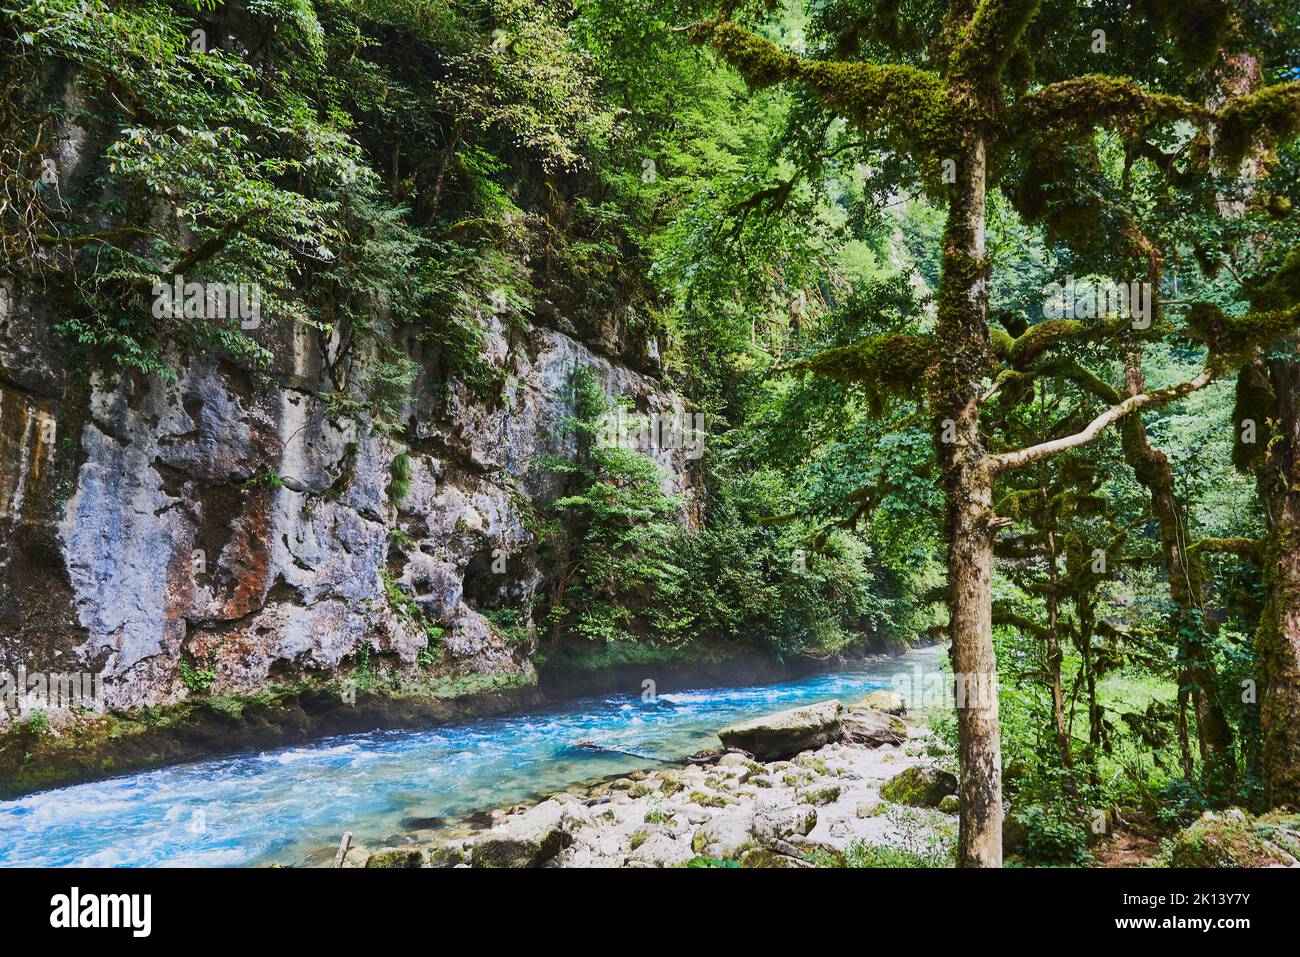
[968, 486]
[970, 571]
[1094, 716]
[1054, 653]
[1184, 741]
[1086, 610]
[1186, 585]
[1277, 643]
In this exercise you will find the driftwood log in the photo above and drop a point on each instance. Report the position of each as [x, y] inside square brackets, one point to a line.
[344, 844]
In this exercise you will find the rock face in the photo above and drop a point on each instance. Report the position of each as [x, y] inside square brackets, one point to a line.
[919, 787]
[786, 733]
[237, 527]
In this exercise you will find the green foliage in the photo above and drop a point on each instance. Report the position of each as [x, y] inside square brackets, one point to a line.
[402, 178]
[36, 724]
[324, 167]
[401, 481]
[1054, 834]
[266, 478]
[509, 623]
[197, 679]
[921, 842]
[639, 572]
[620, 532]
[407, 608]
[700, 861]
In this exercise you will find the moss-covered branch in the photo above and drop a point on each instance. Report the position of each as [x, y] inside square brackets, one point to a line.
[1084, 378]
[990, 39]
[1232, 340]
[1247, 548]
[1072, 108]
[892, 364]
[1003, 615]
[909, 102]
[1270, 116]
[1038, 339]
[1197, 26]
[1282, 289]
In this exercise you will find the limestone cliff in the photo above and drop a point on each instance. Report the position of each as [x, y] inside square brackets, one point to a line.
[229, 523]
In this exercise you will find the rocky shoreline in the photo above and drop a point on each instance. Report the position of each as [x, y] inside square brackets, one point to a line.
[814, 786]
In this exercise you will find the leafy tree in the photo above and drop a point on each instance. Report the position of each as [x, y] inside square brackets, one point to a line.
[614, 551]
[993, 106]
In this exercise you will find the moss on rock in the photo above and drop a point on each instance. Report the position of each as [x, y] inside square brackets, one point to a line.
[819, 797]
[396, 858]
[1234, 839]
[919, 787]
[890, 702]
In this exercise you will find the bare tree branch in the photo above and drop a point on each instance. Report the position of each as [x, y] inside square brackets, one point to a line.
[1014, 460]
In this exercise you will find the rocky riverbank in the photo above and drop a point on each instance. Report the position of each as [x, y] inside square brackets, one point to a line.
[814, 786]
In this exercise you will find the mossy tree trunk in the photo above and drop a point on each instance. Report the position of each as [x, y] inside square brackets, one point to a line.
[969, 527]
[1277, 475]
[1277, 644]
[1054, 652]
[1084, 596]
[1094, 708]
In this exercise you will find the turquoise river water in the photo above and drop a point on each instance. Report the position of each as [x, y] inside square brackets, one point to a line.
[290, 806]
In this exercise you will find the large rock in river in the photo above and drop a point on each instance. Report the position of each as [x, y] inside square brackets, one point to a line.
[873, 728]
[890, 702]
[396, 857]
[529, 839]
[775, 737]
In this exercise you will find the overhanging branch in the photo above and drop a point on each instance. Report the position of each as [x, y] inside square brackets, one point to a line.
[910, 103]
[1014, 460]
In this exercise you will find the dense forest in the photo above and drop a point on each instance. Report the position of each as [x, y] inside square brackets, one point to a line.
[982, 316]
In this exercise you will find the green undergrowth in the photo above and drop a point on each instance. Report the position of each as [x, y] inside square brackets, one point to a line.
[592, 657]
